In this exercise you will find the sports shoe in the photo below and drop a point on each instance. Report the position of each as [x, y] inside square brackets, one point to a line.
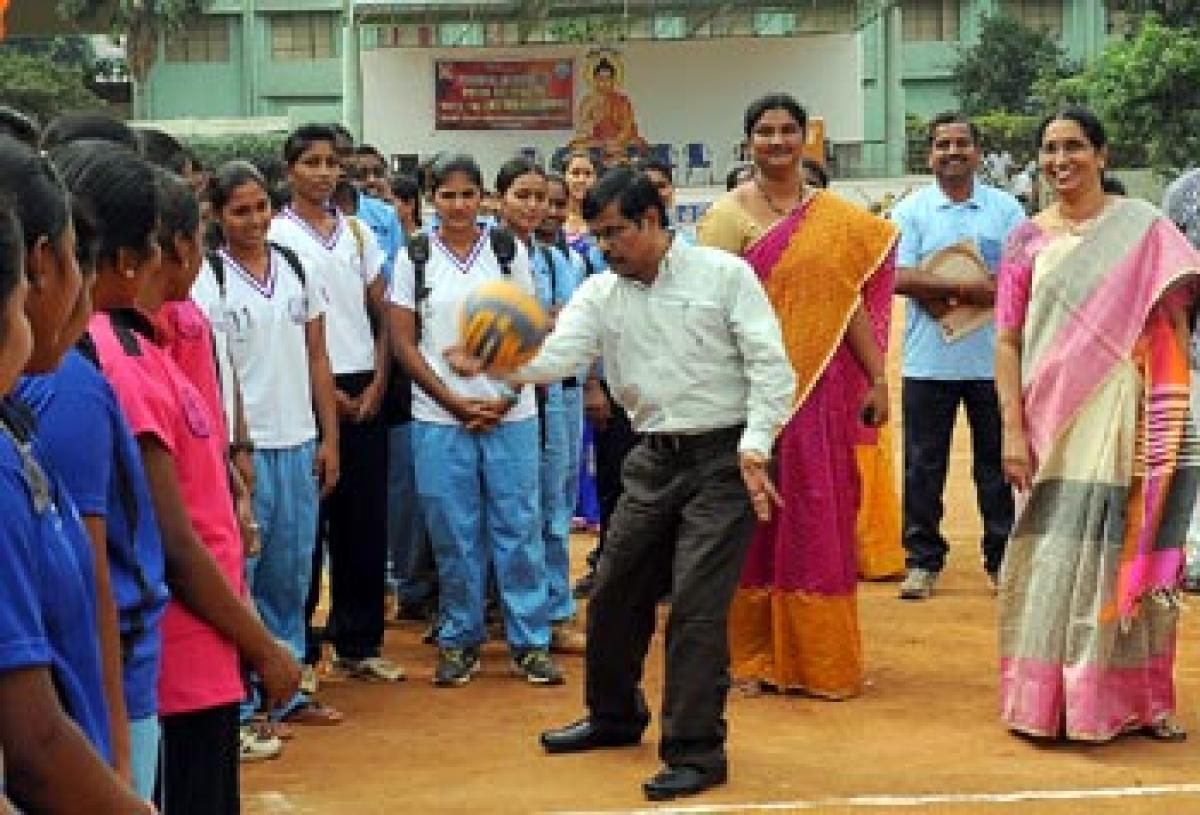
[309, 683]
[918, 585]
[253, 746]
[537, 667]
[565, 639]
[456, 666]
[375, 669]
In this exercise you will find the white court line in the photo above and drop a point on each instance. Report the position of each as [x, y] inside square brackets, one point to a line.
[870, 801]
[275, 802]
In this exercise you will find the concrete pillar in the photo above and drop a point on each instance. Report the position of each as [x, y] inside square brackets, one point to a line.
[352, 116]
[892, 80]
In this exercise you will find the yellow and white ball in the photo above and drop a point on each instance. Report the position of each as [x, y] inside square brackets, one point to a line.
[502, 325]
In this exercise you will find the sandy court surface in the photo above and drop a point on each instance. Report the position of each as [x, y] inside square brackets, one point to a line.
[924, 732]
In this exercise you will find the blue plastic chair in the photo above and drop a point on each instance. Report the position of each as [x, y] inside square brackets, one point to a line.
[698, 158]
[530, 153]
[663, 153]
[558, 159]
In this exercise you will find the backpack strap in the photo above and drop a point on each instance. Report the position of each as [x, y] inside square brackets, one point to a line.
[418, 255]
[217, 264]
[360, 239]
[551, 266]
[292, 259]
[504, 245]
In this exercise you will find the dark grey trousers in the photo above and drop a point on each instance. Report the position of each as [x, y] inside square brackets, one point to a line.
[683, 523]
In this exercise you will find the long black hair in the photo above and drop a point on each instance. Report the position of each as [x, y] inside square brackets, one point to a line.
[37, 194]
[120, 186]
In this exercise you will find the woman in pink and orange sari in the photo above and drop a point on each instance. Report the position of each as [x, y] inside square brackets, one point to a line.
[1092, 373]
[827, 267]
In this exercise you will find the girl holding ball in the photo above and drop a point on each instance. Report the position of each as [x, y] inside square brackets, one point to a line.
[475, 441]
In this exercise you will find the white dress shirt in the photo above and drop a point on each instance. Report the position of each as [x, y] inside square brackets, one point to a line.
[698, 349]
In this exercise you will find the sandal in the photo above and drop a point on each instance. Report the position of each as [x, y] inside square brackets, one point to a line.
[315, 714]
[264, 728]
[1164, 730]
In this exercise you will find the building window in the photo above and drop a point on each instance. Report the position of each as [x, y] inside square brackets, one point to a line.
[774, 23]
[460, 34]
[206, 39]
[930, 20]
[307, 35]
[1044, 15]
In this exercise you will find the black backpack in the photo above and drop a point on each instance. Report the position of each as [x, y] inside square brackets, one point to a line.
[504, 246]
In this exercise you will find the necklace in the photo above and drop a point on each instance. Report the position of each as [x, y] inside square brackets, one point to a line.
[1079, 226]
[775, 208]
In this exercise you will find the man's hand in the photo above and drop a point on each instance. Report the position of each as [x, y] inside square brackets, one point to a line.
[479, 415]
[462, 362]
[243, 460]
[327, 467]
[596, 406]
[763, 494]
[936, 307]
[248, 526]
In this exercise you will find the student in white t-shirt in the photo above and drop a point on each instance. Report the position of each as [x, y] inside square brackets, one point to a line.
[269, 312]
[475, 441]
[345, 262]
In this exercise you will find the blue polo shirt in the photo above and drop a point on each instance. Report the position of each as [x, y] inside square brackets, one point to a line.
[382, 218]
[87, 442]
[929, 221]
[47, 588]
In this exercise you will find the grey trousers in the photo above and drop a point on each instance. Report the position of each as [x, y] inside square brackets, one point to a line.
[682, 525]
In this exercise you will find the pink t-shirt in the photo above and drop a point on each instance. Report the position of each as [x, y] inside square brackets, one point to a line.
[199, 666]
[185, 334]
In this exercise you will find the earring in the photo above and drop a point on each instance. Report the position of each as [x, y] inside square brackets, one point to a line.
[130, 273]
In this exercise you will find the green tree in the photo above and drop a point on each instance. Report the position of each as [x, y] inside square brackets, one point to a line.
[42, 87]
[140, 22]
[1147, 90]
[1175, 13]
[998, 72]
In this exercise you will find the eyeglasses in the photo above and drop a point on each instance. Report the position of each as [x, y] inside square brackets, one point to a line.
[611, 233]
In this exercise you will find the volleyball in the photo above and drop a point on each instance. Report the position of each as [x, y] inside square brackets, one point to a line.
[502, 325]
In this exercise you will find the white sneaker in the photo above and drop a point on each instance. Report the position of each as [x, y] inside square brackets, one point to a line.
[253, 746]
[372, 668]
[918, 585]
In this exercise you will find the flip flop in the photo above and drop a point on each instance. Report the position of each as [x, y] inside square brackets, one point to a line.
[315, 714]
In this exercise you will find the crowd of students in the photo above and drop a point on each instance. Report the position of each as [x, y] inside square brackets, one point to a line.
[216, 385]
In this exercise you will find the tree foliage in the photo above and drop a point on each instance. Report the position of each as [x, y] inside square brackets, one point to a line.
[139, 21]
[41, 87]
[1175, 13]
[998, 72]
[1147, 90]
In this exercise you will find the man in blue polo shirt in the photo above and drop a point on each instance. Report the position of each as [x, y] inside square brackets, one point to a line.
[940, 374]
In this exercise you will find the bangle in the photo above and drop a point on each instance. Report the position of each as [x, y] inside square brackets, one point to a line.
[242, 446]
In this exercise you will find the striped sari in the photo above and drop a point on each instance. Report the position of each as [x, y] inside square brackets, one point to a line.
[1087, 592]
[794, 619]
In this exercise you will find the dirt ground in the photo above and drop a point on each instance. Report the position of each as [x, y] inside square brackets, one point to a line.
[924, 737]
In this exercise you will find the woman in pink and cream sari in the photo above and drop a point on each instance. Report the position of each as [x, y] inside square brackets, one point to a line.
[1092, 374]
[827, 267]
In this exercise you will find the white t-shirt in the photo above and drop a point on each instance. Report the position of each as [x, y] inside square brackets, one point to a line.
[342, 273]
[263, 326]
[449, 281]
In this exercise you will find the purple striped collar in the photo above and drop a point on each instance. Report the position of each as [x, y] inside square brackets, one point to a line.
[328, 243]
[267, 288]
[472, 256]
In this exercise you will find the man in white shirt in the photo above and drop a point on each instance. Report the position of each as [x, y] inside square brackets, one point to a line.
[692, 350]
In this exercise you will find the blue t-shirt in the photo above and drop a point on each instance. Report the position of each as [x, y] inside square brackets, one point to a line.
[47, 586]
[385, 224]
[84, 435]
[929, 221]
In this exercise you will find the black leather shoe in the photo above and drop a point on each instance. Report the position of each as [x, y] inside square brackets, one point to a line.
[682, 779]
[582, 735]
